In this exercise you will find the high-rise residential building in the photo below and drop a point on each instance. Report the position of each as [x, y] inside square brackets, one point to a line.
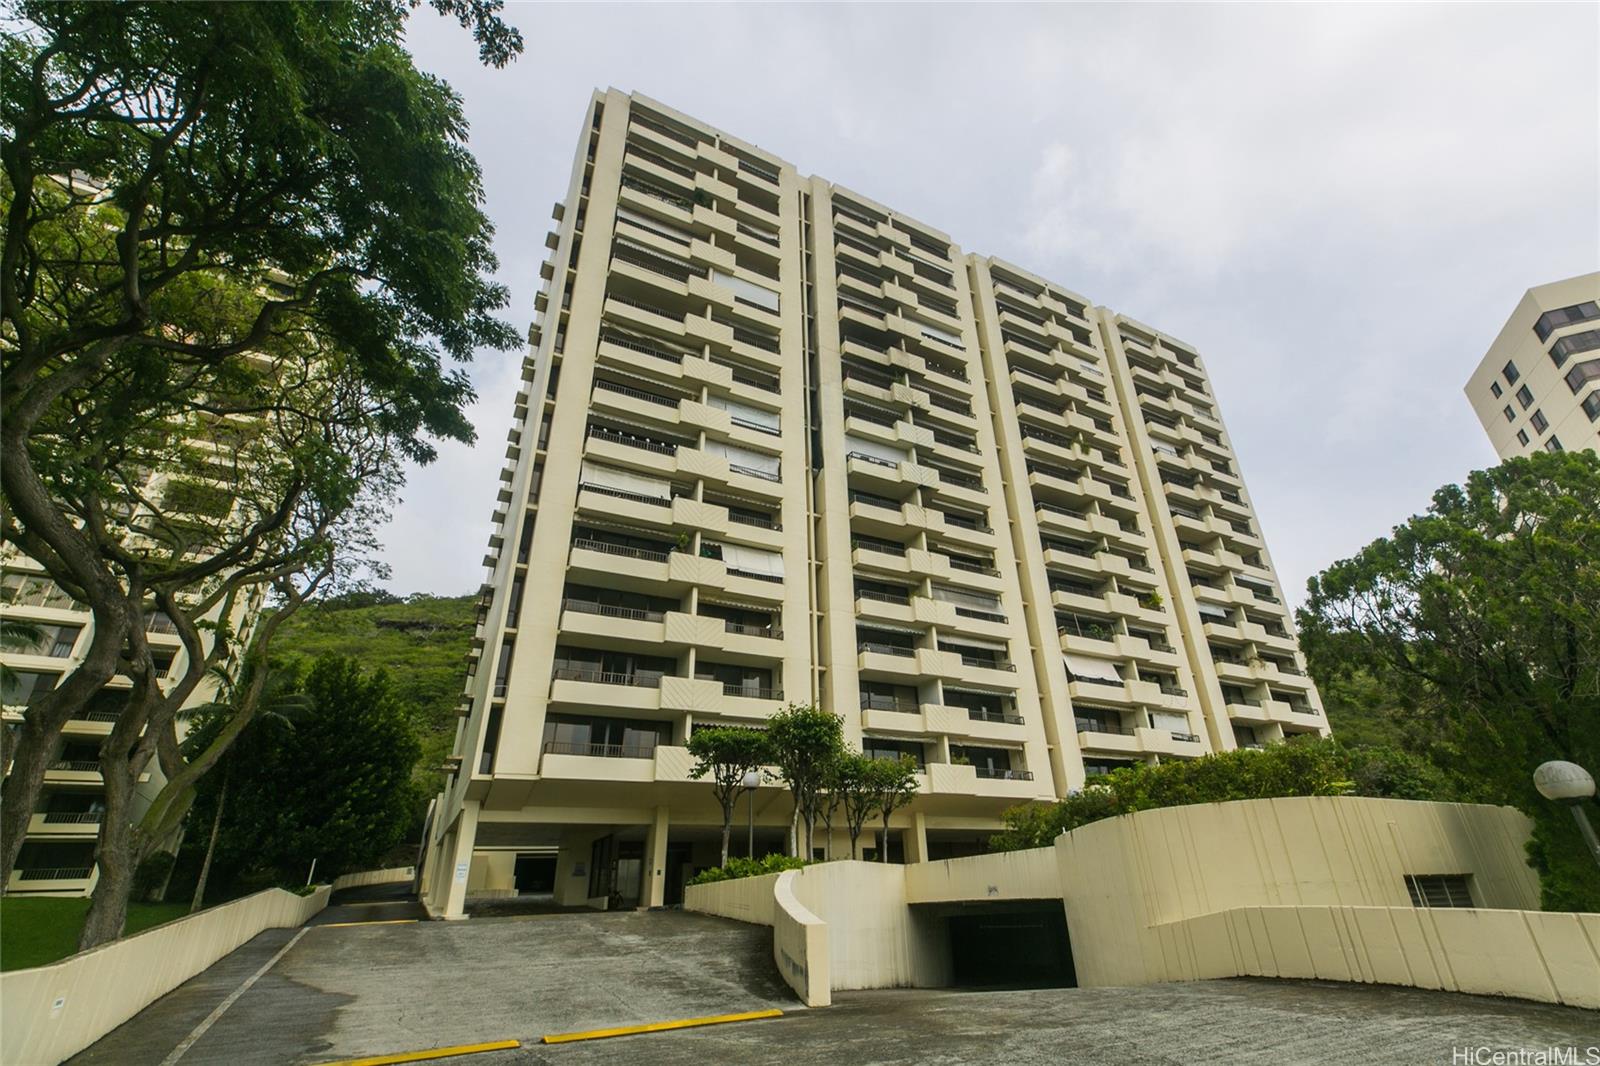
[778, 443]
[1539, 385]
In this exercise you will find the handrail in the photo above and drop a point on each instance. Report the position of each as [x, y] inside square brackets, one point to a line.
[637, 614]
[606, 677]
[733, 688]
[604, 751]
[624, 550]
[886, 649]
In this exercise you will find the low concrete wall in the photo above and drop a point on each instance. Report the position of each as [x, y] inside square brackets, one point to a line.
[1527, 954]
[51, 1012]
[1031, 874]
[800, 944]
[744, 899]
[393, 875]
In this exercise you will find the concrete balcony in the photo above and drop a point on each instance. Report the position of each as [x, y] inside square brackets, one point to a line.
[959, 722]
[75, 772]
[74, 881]
[626, 509]
[881, 476]
[612, 623]
[936, 565]
[1253, 713]
[889, 664]
[951, 779]
[65, 825]
[1098, 741]
[1162, 742]
[910, 721]
[559, 764]
[685, 630]
[595, 558]
[605, 691]
[712, 518]
[1011, 785]
[1138, 648]
[1103, 695]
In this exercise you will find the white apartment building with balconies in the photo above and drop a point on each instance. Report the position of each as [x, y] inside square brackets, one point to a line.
[778, 443]
[1539, 384]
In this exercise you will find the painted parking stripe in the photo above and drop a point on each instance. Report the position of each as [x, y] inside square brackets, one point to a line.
[429, 1053]
[385, 921]
[233, 997]
[660, 1027]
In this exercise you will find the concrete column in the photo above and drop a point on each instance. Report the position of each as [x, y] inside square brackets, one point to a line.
[916, 838]
[655, 862]
[458, 862]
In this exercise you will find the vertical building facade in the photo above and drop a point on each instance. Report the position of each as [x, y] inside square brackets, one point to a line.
[777, 444]
[1539, 385]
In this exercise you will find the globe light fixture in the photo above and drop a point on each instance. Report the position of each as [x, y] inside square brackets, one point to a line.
[1571, 784]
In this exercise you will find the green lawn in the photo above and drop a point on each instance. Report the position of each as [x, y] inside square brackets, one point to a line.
[36, 931]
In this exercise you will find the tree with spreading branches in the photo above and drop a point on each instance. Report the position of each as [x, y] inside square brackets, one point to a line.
[243, 245]
[726, 754]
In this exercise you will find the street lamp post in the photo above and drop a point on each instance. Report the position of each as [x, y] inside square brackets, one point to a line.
[751, 782]
[1571, 784]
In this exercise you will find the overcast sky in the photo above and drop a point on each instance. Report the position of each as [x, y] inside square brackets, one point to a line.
[1339, 206]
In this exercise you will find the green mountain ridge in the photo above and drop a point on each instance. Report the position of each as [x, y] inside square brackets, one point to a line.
[420, 640]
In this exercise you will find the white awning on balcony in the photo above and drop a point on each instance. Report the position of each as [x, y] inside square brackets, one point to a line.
[1172, 723]
[609, 477]
[1212, 613]
[876, 449]
[745, 457]
[935, 331]
[743, 412]
[975, 690]
[1084, 666]
[638, 218]
[981, 601]
[759, 295]
[752, 560]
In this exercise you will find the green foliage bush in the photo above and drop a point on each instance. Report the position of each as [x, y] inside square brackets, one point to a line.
[1309, 767]
[737, 868]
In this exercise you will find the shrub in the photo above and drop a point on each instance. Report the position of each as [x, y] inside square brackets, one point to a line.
[738, 868]
[1311, 767]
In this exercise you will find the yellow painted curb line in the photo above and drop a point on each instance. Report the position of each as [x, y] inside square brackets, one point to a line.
[430, 1053]
[386, 921]
[659, 1027]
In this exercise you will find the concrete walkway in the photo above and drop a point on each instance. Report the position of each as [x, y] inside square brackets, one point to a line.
[346, 991]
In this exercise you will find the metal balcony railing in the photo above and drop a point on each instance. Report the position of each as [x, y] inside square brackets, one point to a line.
[978, 714]
[55, 873]
[1091, 725]
[733, 688]
[997, 773]
[75, 764]
[73, 817]
[748, 630]
[886, 649]
[604, 751]
[871, 702]
[637, 614]
[624, 550]
[606, 677]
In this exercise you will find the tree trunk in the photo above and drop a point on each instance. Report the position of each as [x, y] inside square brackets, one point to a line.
[20, 795]
[883, 852]
[166, 882]
[727, 830]
[211, 847]
[116, 858]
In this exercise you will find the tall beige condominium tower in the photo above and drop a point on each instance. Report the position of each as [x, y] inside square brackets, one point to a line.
[779, 443]
[1539, 385]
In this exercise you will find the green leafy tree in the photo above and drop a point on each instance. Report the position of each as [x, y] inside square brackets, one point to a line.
[1479, 622]
[805, 742]
[1313, 766]
[892, 784]
[726, 755]
[853, 780]
[331, 784]
[242, 245]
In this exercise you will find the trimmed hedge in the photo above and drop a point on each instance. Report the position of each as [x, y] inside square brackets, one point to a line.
[738, 868]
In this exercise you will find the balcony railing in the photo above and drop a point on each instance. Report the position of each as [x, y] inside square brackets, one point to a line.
[748, 630]
[902, 599]
[638, 394]
[972, 567]
[603, 751]
[1091, 725]
[978, 714]
[627, 551]
[754, 520]
[733, 688]
[997, 773]
[871, 702]
[637, 614]
[1187, 738]
[1105, 682]
[73, 817]
[606, 677]
[764, 475]
[55, 873]
[76, 764]
[644, 443]
[872, 500]
[977, 525]
[886, 649]
[623, 494]
[988, 664]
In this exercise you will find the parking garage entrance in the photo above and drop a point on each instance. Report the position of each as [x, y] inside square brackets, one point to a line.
[1011, 944]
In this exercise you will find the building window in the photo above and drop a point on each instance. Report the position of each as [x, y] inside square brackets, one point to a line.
[1524, 397]
[22, 688]
[1553, 445]
[1522, 437]
[1591, 406]
[1539, 422]
[1439, 890]
[1551, 321]
[1582, 374]
[1511, 416]
[1494, 389]
[1587, 341]
[1511, 372]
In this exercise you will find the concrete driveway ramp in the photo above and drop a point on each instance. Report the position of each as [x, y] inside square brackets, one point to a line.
[352, 991]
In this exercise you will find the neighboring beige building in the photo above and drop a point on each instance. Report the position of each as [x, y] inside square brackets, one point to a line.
[1539, 386]
[57, 856]
[778, 443]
